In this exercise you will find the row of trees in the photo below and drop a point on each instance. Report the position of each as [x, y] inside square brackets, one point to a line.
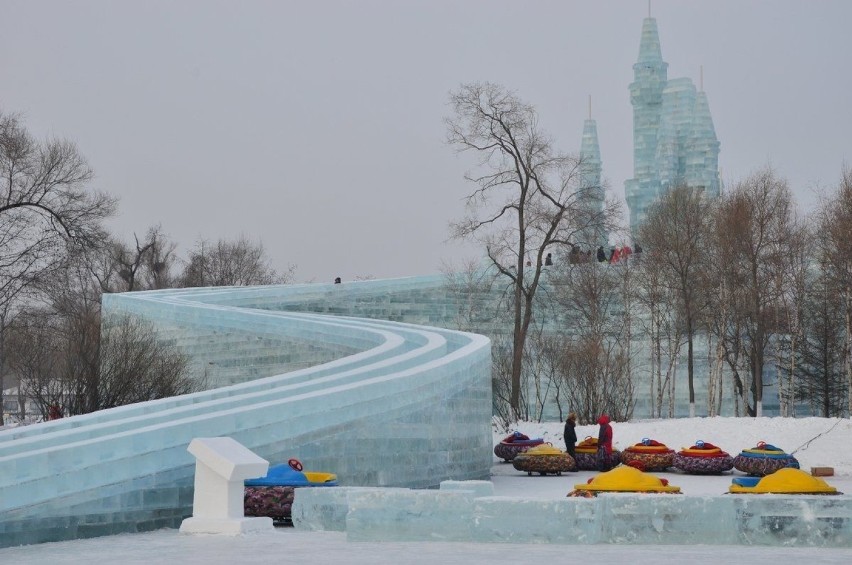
[763, 284]
[759, 285]
[57, 259]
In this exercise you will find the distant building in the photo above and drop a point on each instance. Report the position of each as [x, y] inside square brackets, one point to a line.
[674, 141]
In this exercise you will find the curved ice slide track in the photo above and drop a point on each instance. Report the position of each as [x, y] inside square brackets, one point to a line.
[399, 405]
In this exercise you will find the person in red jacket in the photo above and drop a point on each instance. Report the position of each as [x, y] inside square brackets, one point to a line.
[604, 455]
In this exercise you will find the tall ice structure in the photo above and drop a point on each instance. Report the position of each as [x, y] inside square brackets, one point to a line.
[674, 141]
[593, 194]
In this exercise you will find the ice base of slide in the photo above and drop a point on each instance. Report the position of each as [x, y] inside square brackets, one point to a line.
[459, 514]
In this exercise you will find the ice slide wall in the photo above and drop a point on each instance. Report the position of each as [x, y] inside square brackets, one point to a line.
[379, 403]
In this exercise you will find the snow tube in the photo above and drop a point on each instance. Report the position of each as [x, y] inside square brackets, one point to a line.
[513, 444]
[648, 455]
[587, 454]
[764, 459]
[625, 479]
[703, 458]
[782, 481]
[544, 459]
[284, 475]
[272, 495]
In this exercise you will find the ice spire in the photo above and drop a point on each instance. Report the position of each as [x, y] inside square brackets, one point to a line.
[702, 169]
[593, 194]
[649, 45]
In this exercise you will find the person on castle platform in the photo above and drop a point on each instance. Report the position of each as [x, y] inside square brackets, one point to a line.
[604, 455]
[616, 255]
[574, 255]
[570, 436]
[601, 255]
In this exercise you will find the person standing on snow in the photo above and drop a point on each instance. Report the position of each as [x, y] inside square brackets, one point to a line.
[570, 436]
[604, 455]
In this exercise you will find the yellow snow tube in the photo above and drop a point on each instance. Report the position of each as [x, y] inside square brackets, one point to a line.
[627, 479]
[543, 449]
[786, 481]
[316, 477]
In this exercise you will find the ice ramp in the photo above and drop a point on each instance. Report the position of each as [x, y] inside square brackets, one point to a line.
[387, 404]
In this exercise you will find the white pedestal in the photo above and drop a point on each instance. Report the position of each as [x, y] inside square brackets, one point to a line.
[221, 466]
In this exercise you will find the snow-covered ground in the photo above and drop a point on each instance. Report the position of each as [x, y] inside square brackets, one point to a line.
[814, 441]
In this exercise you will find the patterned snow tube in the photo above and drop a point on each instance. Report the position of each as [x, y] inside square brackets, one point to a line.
[648, 455]
[543, 464]
[762, 465]
[648, 461]
[703, 465]
[272, 502]
[764, 460]
[509, 450]
[588, 460]
[587, 455]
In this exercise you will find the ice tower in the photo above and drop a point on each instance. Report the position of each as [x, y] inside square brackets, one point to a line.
[592, 190]
[674, 141]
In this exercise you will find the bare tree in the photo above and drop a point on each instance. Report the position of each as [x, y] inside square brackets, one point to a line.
[501, 384]
[44, 206]
[45, 210]
[135, 366]
[793, 283]
[595, 372]
[676, 234]
[529, 198]
[66, 357]
[836, 228]
[64, 361]
[753, 236]
[469, 287]
[594, 359]
[35, 355]
[818, 360]
[144, 265]
[231, 263]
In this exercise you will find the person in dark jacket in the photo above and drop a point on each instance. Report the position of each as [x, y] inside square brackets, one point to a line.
[601, 255]
[570, 436]
[604, 455]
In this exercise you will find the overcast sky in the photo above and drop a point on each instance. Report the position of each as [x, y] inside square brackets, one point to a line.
[316, 126]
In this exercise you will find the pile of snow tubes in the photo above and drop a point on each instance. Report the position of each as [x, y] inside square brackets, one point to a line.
[764, 459]
[648, 455]
[544, 459]
[703, 458]
[513, 444]
[272, 496]
[587, 455]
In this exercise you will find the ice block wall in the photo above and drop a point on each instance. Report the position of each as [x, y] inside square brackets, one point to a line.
[389, 404]
[467, 512]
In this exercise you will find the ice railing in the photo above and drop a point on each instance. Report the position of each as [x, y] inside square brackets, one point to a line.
[398, 405]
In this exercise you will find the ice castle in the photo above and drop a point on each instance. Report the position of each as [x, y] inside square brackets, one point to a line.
[674, 141]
